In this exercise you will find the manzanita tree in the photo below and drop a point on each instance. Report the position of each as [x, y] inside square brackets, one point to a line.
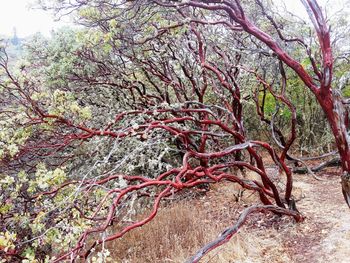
[147, 100]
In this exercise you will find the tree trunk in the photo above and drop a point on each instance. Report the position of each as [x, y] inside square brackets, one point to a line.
[336, 113]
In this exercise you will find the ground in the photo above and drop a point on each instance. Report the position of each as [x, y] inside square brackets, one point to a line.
[324, 236]
[181, 228]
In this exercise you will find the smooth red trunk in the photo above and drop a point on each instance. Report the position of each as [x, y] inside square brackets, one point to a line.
[336, 113]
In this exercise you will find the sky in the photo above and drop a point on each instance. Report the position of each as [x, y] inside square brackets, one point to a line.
[16, 14]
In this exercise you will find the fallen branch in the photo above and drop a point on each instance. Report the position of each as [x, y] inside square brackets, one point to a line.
[319, 157]
[330, 163]
[227, 234]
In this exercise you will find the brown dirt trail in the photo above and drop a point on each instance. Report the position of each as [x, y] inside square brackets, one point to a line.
[325, 234]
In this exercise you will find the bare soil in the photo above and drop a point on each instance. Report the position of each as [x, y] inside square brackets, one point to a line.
[324, 236]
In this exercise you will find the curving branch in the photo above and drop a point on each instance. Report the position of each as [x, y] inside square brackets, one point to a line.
[229, 232]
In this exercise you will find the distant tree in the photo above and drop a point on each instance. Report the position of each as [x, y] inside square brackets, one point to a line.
[14, 39]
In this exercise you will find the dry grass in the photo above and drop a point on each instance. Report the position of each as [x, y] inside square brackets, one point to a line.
[176, 231]
[181, 228]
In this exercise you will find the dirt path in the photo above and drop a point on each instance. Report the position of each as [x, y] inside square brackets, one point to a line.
[325, 234]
